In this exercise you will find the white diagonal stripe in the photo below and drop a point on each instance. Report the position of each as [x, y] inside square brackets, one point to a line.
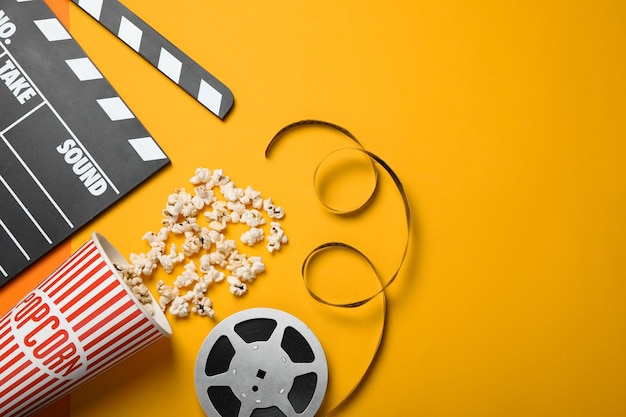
[52, 29]
[93, 7]
[84, 69]
[115, 108]
[210, 97]
[170, 65]
[130, 33]
[147, 149]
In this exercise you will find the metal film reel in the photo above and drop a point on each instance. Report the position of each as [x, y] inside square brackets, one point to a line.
[261, 362]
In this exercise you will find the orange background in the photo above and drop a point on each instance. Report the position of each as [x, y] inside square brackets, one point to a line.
[505, 123]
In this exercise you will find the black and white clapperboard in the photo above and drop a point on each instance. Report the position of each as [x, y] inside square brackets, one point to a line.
[69, 145]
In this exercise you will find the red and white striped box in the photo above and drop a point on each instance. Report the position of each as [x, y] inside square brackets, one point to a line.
[80, 321]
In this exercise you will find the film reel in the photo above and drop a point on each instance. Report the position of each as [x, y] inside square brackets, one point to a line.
[261, 362]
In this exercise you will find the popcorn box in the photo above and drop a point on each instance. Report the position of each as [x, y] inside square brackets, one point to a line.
[80, 321]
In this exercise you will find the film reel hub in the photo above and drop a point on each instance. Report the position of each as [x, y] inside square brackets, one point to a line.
[261, 362]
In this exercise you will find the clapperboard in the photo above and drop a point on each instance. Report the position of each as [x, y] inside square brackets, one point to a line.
[69, 145]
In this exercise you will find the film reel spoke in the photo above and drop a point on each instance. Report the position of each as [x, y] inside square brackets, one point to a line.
[282, 408]
[224, 379]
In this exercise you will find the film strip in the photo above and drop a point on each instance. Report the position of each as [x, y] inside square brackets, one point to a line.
[384, 280]
[69, 145]
[161, 53]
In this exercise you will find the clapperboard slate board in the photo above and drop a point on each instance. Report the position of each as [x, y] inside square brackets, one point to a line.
[69, 145]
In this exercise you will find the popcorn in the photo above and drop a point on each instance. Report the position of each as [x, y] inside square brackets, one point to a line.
[215, 236]
[167, 293]
[168, 261]
[156, 239]
[192, 244]
[251, 197]
[204, 194]
[189, 209]
[252, 236]
[179, 307]
[230, 192]
[243, 268]
[225, 246]
[219, 178]
[218, 256]
[203, 307]
[198, 291]
[237, 287]
[200, 303]
[198, 203]
[172, 209]
[237, 208]
[142, 264]
[276, 238]
[131, 277]
[206, 240]
[211, 274]
[236, 260]
[188, 277]
[148, 307]
[257, 266]
[189, 225]
[219, 216]
[252, 218]
[178, 203]
[142, 293]
[202, 175]
[275, 212]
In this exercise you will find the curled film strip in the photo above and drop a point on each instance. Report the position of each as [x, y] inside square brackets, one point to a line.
[261, 362]
[376, 161]
[161, 53]
[312, 257]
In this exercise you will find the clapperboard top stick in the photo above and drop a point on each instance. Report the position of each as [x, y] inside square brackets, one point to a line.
[161, 54]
